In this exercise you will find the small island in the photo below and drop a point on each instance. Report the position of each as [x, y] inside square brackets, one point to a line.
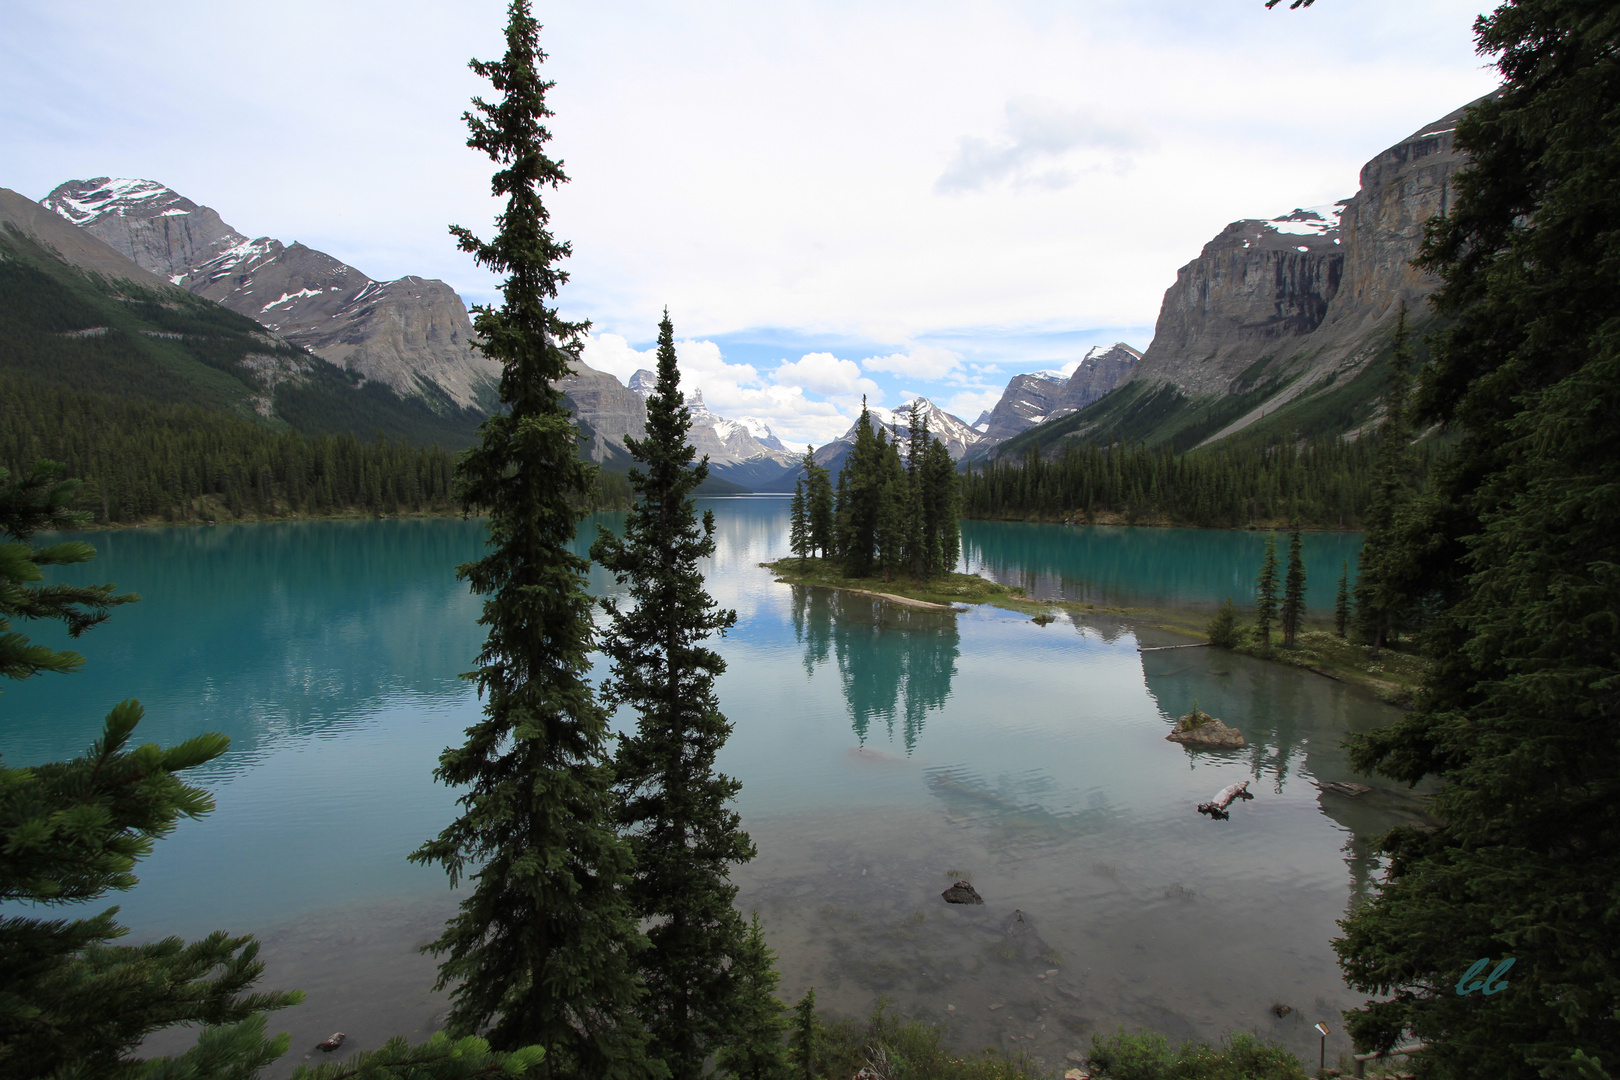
[942, 592]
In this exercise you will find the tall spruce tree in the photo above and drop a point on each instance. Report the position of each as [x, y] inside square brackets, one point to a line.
[860, 493]
[542, 950]
[1385, 569]
[799, 523]
[1293, 603]
[943, 537]
[1516, 546]
[1341, 602]
[1265, 594]
[71, 1002]
[675, 807]
[820, 503]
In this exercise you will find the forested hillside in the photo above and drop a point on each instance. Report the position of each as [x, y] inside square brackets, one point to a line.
[63, 325]
[1327, 482]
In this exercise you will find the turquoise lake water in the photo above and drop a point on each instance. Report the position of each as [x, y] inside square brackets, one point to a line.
[883, 752]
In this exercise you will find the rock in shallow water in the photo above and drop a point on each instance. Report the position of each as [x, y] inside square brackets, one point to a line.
[1201, 729]
[962, 893]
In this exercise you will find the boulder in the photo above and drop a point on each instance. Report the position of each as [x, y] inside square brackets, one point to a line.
[1201, 729]
[962, 893]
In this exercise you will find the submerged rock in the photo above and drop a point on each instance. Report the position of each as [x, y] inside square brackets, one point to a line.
[1201, 729]
[1345, 788]
[962, 893]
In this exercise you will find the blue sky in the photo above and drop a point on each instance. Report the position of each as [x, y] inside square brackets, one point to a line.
[831, 197]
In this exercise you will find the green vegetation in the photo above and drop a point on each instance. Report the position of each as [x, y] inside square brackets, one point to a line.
[543, 948]
[1326, 482]
[144, 461]
[672, 805]
[1512, 549]
[943, 589]
[1147, 1056]
[1223, 628]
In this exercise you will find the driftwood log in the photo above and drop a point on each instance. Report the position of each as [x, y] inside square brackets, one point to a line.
[1216, 807]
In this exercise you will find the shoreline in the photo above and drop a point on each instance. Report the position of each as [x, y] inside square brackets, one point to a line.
[1393, 677]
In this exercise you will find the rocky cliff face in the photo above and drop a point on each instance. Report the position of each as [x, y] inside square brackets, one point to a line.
[1308, 295]
[608, 408]
[1028, 400]
[1100, 371]
[411, 334]
[1047, 395]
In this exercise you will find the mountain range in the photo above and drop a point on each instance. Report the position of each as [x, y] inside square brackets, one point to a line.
[1274, 329]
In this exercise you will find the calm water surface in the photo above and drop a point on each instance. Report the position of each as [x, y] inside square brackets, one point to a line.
[883, 753]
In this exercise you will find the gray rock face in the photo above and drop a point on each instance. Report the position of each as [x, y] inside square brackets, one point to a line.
[1045, 395]
[412, 334]
[1028, 400]
[1100, 371]
[1311, 293]
[148, 223]
[611, 410]
[958, 438]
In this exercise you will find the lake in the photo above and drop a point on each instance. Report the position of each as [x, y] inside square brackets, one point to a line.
[884, 752]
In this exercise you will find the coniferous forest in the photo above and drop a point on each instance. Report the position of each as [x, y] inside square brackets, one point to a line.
[1323, 483]
[142, 460]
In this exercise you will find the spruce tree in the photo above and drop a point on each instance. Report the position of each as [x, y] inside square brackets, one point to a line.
[1293, 604]
[819, 503]
[675, 807]
[943, 537]
[860, 494]
[1341, 602]
[1384, 571]
[542, 949]
[804, 1041]
[1223, 628]
[756, 1050]
[799, 524]
[1516, 546]
[1265, 594]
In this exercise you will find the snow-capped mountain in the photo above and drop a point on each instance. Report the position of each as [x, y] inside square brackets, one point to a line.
[412, 334]
[959, 438]
[727, 442]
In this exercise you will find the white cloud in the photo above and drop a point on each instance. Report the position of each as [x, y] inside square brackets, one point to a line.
[969, 403]
[1044, 145]
[824, 373]
[736, 390]
[922, 362]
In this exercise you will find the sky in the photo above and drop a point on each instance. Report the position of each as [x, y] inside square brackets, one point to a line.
[831, 198]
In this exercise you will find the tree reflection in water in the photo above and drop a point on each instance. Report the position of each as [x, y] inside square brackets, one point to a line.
[896, 663]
